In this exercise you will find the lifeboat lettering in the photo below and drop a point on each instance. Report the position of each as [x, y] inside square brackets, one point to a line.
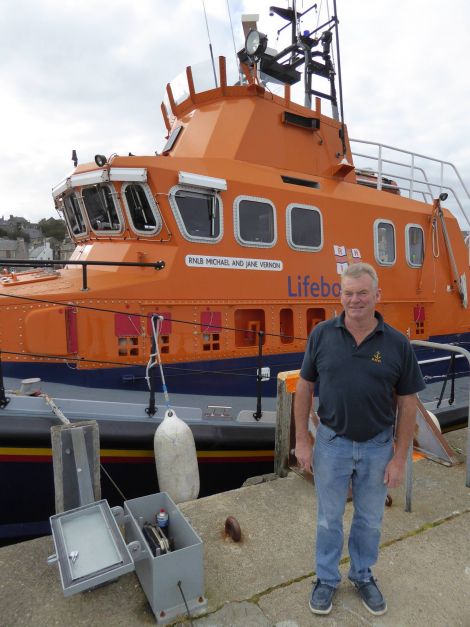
[304, 286]
[239, 263]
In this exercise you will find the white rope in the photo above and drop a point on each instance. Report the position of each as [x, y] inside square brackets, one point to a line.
[155, 357]
[56, 410]
[435, 239]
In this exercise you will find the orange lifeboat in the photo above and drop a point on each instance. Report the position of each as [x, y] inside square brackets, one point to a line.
[237, 234]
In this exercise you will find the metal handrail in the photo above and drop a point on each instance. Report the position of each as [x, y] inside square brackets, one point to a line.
[415, 154]
[43, 263]
[412, 179]
[410, 164]
[465, 353]
[428, 196]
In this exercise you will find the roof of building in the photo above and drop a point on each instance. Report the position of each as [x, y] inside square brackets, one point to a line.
[8, 244]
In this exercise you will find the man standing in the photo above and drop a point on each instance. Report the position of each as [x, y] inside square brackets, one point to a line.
[368, 377]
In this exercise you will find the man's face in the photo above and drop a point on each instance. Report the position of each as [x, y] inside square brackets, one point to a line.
[359, 298]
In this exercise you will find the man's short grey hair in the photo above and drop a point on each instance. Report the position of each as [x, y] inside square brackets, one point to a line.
[356, 270]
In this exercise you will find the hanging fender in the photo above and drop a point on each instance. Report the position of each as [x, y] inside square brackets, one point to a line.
[176, 459]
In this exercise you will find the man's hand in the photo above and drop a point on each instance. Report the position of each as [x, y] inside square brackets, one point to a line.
[303, 439]
[394, 472]
[303, 453]
[406, 421]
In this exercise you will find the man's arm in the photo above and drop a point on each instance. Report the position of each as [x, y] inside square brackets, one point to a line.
[302, 407]
[406, 420]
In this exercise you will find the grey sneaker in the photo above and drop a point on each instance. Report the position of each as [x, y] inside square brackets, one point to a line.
[371, 596]
[322, 597]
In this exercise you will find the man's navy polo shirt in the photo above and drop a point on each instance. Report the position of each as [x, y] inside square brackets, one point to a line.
[357, 384]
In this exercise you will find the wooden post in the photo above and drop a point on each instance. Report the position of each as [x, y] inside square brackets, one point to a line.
[285, 430]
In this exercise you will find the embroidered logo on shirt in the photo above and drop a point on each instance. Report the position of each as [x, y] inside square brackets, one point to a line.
[377, 357]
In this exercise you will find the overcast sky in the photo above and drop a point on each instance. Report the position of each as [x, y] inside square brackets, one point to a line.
[90, 75]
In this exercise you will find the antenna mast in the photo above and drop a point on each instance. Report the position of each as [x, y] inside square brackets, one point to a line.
[340, 82]
[309, 48]
[233, 39]
[210, 43]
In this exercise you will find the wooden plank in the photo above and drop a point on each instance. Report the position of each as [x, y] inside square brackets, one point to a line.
[283, 426]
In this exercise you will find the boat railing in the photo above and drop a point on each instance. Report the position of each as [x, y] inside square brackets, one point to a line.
[47, 263]
[462, 351]
[415, 175]
[262, 373]
[197, 79]
[197, 82]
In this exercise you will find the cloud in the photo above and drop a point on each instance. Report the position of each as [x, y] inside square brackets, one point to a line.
[90, 76]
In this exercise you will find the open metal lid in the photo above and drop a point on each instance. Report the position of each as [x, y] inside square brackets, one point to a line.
[90, 549]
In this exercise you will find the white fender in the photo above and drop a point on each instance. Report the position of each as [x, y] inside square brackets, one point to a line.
[435, 420]
[176, 459]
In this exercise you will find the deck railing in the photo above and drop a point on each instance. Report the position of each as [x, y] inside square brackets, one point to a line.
[462, 351]
[51, 263]
[417, 176]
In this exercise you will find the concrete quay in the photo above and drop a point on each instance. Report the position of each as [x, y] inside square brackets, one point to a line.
[266, 579]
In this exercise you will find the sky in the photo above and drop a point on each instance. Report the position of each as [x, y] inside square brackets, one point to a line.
[90, 75]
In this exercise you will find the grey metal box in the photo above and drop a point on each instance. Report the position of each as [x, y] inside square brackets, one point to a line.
[89, 547]
[172, 580]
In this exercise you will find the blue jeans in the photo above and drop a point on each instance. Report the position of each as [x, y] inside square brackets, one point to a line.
[337, 463]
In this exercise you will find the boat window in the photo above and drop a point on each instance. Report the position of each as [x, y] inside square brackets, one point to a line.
[414, 237]
[142, 208]
[255, 222]
[73, 215]
[384, 242]
[304, 227]
[171, 141]
[198, 214]
[100, 207]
